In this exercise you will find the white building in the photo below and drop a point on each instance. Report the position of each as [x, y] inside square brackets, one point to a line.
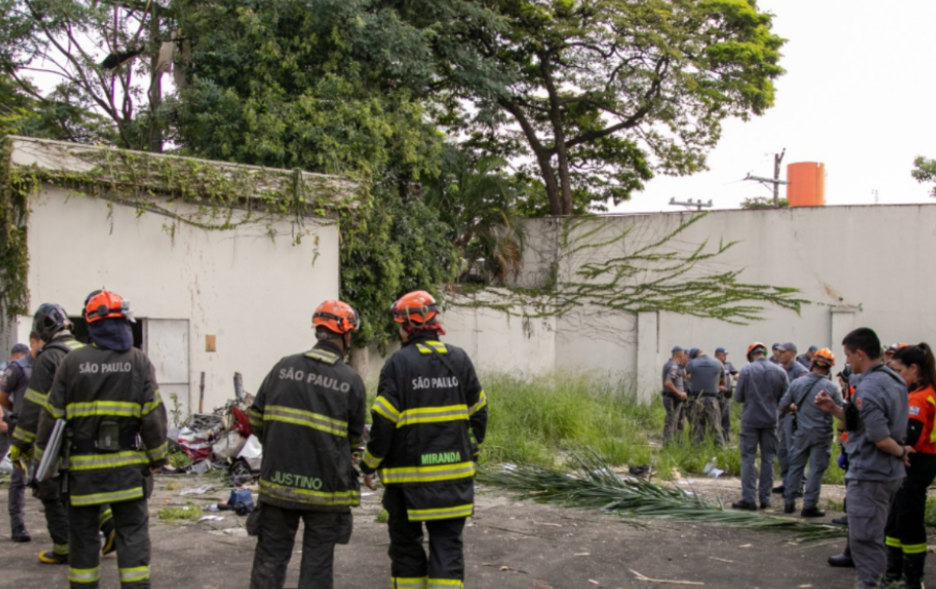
[216, 288]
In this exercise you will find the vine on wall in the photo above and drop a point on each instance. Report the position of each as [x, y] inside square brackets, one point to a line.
[224, 197]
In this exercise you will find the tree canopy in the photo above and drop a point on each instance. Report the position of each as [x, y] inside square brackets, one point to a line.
[924, 170]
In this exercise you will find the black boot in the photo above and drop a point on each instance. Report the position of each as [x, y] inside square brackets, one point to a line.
[895, 565]
[913, 565]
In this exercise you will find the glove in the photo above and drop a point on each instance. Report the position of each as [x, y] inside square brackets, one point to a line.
[843, 461]
[15, 454]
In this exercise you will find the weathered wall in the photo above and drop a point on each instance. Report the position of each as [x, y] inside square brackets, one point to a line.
[255, 293]
[859, 266]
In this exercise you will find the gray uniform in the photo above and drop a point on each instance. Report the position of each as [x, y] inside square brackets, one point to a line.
[13, 381]
[785, 433]
[760, 386]
[705, 414]
[675, 407]
[873, 476]
[812, 436]
[725, 399]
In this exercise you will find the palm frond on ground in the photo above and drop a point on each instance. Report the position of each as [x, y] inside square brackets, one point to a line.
[592, 484]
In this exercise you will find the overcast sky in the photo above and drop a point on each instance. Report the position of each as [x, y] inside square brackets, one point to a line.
[859, 95]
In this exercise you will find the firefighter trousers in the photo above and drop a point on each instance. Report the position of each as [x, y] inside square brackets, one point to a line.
[56, 515]
[409, 566]
[131, 523]
[277, 536]
[16, 500]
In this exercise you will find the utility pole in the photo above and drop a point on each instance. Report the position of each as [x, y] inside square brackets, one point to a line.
[699, 205]
[775, 181]
[777, 158]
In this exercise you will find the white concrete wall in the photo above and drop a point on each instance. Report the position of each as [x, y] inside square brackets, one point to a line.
[859, 266]
[255, 293]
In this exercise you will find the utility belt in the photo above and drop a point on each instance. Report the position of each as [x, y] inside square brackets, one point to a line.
[110, 439]
[10, 418]
[695, 395]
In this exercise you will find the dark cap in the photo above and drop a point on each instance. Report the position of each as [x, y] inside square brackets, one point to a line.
[20, 349]
[693, 353]
[776, 346]
[677, 349]
[787, 347]
[721, 351]
[813, 348]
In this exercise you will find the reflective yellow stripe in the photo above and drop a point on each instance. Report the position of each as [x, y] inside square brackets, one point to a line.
[481, 404]
[82, 462]
[74, 344]
[443, 583]
[24, 435]
[407, 582]
[439, 347]
[370, 460]
[60, 549]
[84, 575]
[152, 405]
[427, 474]
[55, 412]
[36, 397]
[103, 408]
[255, 417]
[893, 542]
[158, 453]
[384, 407]
[112, 497]
[914, 548]
[440, 513]
[307, 419]
[309, 497]
[134, 574]
[106, 516]
[323, 356]
[433, 415]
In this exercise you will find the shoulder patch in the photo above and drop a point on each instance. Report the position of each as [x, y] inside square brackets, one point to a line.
[914, 410]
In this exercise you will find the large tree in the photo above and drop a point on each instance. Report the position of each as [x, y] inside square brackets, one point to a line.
[600, 94]
[101, 56]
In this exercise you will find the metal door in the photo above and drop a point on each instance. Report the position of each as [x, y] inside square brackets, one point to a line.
[167, 345]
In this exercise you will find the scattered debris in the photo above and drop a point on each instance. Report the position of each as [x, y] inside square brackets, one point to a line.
[548, 524]
[722, 560]
[210, 518]
[582, 554]
[196, 490]
[594, 582]
[504, 568]
[744, 546]
[665, 581]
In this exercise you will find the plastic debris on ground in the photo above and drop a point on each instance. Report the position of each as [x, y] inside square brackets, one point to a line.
[196, 490]
[711, 469]
[6, 467]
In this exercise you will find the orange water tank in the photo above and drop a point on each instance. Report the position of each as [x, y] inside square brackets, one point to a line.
[806, 186]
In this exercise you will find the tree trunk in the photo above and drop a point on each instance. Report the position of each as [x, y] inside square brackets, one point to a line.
[360, 361]
[555, 117]
[553, 190]
[155, 93]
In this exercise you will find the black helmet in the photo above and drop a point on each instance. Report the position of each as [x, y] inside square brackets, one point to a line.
[49, 320]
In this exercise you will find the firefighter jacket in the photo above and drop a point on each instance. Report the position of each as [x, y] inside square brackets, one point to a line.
[115, 424]
[40, 383]
[428, 427]
[309, 415]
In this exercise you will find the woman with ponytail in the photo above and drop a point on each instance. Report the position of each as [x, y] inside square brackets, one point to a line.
[906, 530]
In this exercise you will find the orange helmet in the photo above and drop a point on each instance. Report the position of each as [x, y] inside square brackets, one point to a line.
[103, 304]
[415, 308]
[824, 356]
[756, 346]
[336, 316]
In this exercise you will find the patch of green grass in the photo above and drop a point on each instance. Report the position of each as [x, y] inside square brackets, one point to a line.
[531, 421]
[833, 505]
[179, 459]
[190, 512]
[930, 516]
[382, 517]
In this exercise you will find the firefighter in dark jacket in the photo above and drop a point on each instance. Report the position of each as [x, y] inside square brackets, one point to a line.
[13, 382]
[52, 326]
[429, 421]
[309, 414]
[115, 439]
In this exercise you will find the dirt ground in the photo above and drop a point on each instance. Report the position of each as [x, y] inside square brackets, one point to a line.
[509, 544]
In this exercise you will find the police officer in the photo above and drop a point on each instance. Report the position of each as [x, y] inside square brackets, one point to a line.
[309, 414]
[52, 326]
[876, 421]
[812, 433]
[674, 395]
[760, 386]
[429, 421]
[13, 382]
[706, 381]
[806, 358]
[724, 401]
[786, 354]
[108, 397]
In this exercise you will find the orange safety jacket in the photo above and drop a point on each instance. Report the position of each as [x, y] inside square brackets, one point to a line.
[923, 409]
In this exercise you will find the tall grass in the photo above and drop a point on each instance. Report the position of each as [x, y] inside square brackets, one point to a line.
[534, 421]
